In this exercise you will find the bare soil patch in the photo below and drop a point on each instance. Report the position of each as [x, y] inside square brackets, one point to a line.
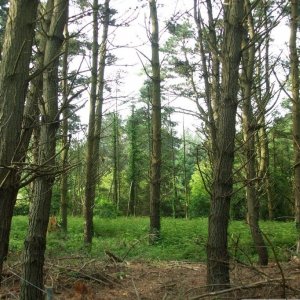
[82, 278]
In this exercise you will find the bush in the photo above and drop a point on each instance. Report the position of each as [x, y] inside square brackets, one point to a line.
[22, 206]
[105, 209]
[200, 200]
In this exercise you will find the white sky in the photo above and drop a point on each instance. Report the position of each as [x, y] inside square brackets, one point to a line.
[135, 37]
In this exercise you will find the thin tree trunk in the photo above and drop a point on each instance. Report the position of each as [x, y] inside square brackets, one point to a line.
[156, 129]
[212, 90]
[263, 148]
[90, 183]
[116, 183]
[217, 252]
[186, 200]
[249, 129]
[32, 286]
[264, 136]
[174, 175]
[294, 59]
[95, 118]
[133, 177]
[65, 137]
[14, 71]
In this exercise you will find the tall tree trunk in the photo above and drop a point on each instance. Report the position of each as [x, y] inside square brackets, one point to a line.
[249, 130]
[90, 182]
[133, 161]
[186, 199]
[95, 118]
[14, 71]
[262, 101]
[294, 60]
[217, 252]
[174, 175]
[65, 136]
[35, 244]
[212, 90]
[156, 129]
[116, 183]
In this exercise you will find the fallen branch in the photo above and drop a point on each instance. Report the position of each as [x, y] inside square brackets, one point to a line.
[113, 256]
[244, 287]
[102, 279]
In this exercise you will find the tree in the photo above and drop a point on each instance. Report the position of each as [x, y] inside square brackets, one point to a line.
[116, 160]
[295, 81]
[90, 181]
[249, 130]
[186, 196]
[262, 100]
[95, 117]
[65, 133]
[156, 128]
[217, 253]
[35, 243]
[14, 76]
[132, 201]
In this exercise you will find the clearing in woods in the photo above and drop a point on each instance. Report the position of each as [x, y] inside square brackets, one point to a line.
[121, 264]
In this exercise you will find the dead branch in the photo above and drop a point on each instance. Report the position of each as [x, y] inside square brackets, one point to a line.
[254, 285]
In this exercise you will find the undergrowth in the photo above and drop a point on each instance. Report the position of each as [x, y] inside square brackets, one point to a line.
[181, 239]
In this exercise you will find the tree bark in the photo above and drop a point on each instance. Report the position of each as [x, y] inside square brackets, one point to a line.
[174, 174]
[249, 131]
[186, 199]
[14, 71]
[90, 186]
[213, 89]
[95, 118]
[65, 135]
[35, 244]
[217, 252]
[295, 81]
[133, 167]
[262, 100]
[156, 129]
[116, 181]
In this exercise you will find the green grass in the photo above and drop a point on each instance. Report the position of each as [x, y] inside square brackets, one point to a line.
[180, 239]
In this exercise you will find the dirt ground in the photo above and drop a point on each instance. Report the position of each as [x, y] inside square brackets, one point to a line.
[80, 278]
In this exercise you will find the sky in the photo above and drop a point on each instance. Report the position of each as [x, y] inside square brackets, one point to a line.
[126, 40]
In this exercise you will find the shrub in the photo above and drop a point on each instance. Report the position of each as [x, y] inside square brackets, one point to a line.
[105, 209]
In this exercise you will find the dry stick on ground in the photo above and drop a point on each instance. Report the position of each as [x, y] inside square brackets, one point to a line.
[135, 290]
[130, 248]
[86, 263]
[103, 279]
[241, 288]
[113, 257]
[121, 259]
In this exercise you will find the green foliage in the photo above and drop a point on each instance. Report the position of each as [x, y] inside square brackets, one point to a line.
[199, 202]
[181, 239]
[21, 207]
[22, 204]
[105, 209]
[281, 157]
[55, 200]
[238, 210]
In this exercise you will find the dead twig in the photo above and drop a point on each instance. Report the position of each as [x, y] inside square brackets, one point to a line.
[99, 278]
[236, 288]
[113, 257]
[135, 290]
[278, 264]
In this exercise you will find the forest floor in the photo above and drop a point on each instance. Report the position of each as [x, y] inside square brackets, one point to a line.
[82, 278]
